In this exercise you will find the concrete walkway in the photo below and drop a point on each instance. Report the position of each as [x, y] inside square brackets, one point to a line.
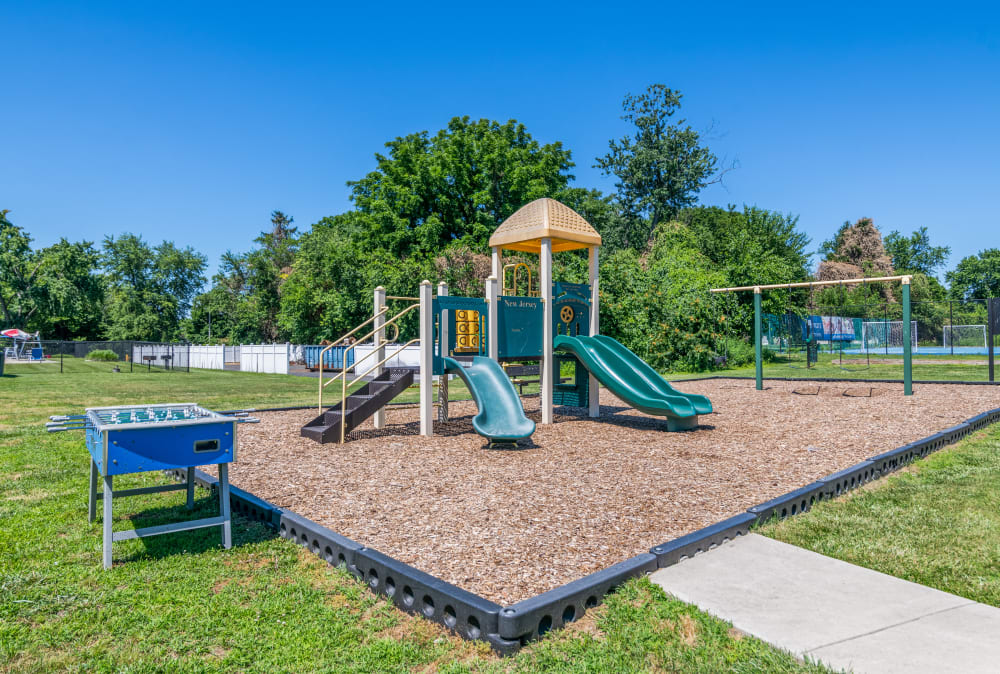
[843, 615]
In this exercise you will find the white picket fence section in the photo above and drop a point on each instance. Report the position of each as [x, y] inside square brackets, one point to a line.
[208, 357]
[265, 358]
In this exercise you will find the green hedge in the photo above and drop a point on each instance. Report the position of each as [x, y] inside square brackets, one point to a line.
[103, 354]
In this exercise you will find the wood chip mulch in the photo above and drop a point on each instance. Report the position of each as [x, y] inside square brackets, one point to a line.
[586, 493]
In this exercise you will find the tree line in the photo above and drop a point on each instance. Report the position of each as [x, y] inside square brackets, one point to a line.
[427, 210]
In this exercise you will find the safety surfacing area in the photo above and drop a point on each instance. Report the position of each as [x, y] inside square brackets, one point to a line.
[585, 493]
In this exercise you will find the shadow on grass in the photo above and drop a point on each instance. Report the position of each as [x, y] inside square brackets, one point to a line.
[245, 531]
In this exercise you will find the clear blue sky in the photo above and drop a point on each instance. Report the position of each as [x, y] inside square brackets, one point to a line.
[192, 121]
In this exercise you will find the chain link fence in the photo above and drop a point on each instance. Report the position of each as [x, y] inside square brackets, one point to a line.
[58, 357]
[951, 340]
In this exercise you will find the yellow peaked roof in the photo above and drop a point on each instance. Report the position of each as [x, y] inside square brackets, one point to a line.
[542, 218]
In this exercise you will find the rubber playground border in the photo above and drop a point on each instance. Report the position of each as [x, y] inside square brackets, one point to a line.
[508, 628]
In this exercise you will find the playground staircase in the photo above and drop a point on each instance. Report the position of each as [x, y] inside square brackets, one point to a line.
[359, 405]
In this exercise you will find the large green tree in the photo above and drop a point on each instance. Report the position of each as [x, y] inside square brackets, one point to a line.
[976, 276]
[658, 304]
[71, 291]
[19, 266]
[330, 288]
[150, 288]
[56, 290]
[660, 165]
[914, 254]
[751, 246]
[245, 300]
[457, 185]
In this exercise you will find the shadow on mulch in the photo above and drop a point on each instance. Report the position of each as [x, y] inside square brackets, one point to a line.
[610, 414]
[462, 425]
[838, 391]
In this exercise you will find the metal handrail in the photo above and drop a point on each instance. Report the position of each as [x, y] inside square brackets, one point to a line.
[378, 343]
[343, 388]
[513, 287]
[390, 323]
[343, 337]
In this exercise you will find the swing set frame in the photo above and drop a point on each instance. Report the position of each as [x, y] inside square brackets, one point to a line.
[757, 328]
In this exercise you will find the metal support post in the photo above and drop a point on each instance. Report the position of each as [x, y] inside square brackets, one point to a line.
[758, 356]
[190, 488]
[443, 346]
[951, 325]
[593, 388]
[224, 505]
[108, 536]
[547, 368]
[426, 360]
[493, 317]
[496, 269]
[991, 323]
[92, 506]
[378, 339]
[907, 344]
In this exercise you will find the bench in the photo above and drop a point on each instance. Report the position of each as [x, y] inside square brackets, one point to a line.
[516, 372]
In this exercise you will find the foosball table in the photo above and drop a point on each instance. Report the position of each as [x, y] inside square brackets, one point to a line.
[143, 438]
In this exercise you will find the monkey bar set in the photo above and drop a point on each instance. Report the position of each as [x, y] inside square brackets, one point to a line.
[757, 319]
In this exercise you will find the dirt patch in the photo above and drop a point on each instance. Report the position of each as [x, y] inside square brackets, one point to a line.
[587, 493]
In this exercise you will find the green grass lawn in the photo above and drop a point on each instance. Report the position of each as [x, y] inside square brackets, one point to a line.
[181, 603]
[936, 523]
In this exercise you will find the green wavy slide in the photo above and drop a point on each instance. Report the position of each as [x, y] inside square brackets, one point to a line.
[501, 417]
[634, 380]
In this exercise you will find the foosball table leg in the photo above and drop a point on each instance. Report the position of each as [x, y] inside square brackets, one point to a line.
[190, 488]
[227, 533]
[108, 496]
[92, 506]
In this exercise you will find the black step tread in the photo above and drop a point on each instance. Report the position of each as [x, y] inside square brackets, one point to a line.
[359, 406]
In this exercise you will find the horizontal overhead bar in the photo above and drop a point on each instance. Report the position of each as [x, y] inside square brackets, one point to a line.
[811, 284]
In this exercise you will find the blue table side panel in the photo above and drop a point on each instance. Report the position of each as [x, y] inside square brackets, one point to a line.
[94, 446]
[165, 447]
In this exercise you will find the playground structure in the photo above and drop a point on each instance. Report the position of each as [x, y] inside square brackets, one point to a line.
[552, 323]
[506, 547]
[22, 346]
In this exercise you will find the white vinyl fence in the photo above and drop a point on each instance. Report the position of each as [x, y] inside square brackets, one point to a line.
[207, 357]
[408, 357]
[267, 358]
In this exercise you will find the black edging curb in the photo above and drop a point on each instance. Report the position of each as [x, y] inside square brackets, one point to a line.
[532, 618]
[509, 628]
